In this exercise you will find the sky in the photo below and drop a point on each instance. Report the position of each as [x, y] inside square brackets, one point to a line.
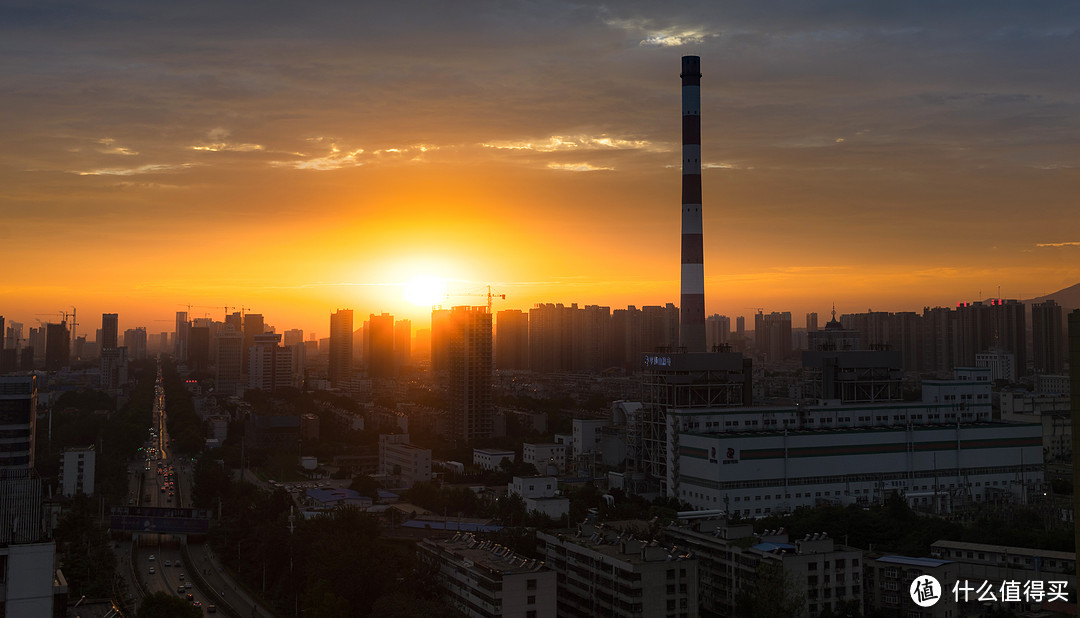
[296, 158]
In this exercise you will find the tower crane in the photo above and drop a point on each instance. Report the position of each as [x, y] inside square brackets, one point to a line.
[491, 296]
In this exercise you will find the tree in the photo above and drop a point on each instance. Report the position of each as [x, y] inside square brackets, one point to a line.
[773, 594]
[165, 605]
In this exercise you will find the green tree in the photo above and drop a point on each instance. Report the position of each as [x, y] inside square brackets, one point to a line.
[773, 594]
[165, 605]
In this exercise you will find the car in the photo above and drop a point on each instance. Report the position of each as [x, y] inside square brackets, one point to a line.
[197, 603]
[181, 577]
[180, 590]
[152, 571]
[187, 585]
[167, 563]
[211, 609]
[190, 597]
[151, 557]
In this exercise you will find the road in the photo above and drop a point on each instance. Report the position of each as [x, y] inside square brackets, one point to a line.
[162, 479]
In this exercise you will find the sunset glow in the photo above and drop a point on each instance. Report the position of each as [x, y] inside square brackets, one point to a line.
[384, 160]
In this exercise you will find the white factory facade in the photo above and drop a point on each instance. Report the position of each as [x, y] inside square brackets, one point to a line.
[938, 453]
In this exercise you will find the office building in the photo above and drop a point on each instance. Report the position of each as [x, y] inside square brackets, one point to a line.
[18, 422]
[270, 366]
[77, 471]
[341, 346]
[811, 322]
[471, 411]
[405, 463]
[229, 367]
[114, 368]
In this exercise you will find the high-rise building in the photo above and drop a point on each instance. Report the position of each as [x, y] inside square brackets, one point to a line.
[253, 325]
[403, 342]
[440, 339]
[18, 420]
[740, 326]
[772, 335]
[270, 365]
[471, 414]
[77, 471]
[135, 342]
[341, 346]
[109, 331]
[57, 346]
[181, 336]
[228, 368]
[811, 322]
[717, 331]
[422, 344]
[512, 339]
[294, 336]
[199, 351]
[1047, 339]
[114, 368]
[379, 346]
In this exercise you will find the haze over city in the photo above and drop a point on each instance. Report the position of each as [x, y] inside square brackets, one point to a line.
[381, 156]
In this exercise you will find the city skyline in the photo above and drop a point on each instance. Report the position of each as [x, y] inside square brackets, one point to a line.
[298, 162]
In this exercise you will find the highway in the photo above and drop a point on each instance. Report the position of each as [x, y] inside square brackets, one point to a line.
[162, 479]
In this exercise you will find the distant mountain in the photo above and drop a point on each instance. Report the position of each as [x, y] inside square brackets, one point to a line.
[1069, 298]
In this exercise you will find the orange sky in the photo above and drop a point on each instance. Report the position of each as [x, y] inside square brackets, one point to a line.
[296, 163]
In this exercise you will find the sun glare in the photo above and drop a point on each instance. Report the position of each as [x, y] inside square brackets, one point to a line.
[425, 291]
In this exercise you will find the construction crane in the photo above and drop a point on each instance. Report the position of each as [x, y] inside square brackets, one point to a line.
[491, 296]
[66, 316]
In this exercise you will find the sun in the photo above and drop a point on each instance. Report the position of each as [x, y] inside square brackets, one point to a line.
[425, 291]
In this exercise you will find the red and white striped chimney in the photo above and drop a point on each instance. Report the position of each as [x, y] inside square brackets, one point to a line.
[692, 318]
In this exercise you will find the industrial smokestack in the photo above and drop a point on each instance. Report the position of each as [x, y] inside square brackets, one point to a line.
[692, 319]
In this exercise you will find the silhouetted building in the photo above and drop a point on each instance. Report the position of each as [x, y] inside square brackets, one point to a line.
[135, 342]
[1047, 339]
[379, 346]
[341, 346]
[512, 339]
[402, 342]
[199, 347]
[229, 346]
[772, 335]
[470, 374]
[270, 365]
[440, 339]
[811, 322]
[57, 346]
[109, 331]
[253, 325]
[717, 331]
[181, 337]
